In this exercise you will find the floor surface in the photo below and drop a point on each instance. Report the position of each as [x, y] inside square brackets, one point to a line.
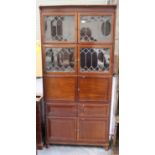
[73, 150]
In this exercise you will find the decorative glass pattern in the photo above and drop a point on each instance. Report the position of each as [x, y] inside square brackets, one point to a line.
[95, 28]
[94, 59]
[59, 28]
[59, 59]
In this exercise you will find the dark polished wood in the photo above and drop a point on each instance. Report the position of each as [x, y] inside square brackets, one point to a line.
[39, 136]
[78, 103]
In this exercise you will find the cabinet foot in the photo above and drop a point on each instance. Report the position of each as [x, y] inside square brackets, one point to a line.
[106, 147]
[46, 145]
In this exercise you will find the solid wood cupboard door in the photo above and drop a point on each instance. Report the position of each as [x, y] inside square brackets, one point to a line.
[93, 130]
[94, 88]
[60, 88]
[61, 129]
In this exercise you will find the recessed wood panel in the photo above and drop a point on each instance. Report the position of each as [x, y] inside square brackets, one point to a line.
[61, 110]
[93, 130]
[94, 110]
[60, 88]
[62, 129]
[94, 88]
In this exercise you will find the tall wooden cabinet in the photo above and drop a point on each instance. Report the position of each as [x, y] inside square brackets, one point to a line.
[77, 55]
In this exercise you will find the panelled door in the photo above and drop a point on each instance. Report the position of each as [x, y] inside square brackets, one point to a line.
[61, 129]
[93, 130]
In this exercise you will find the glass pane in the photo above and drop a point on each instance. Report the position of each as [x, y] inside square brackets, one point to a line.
[95, 28]
[59, 59]
[94, 59]
[59, 28]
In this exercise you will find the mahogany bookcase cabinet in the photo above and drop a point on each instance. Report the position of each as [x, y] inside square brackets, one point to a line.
[77, 55]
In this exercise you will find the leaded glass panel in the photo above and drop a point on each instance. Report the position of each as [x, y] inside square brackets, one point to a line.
[59, 28]
[94, 59]
[95, 28]
[59, 59]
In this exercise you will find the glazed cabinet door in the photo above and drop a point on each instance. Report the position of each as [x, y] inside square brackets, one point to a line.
[94, 88]
[59, 27]
[60, 59]
[61, 129]
[93, 130]
[95, 27]
[95, 59]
